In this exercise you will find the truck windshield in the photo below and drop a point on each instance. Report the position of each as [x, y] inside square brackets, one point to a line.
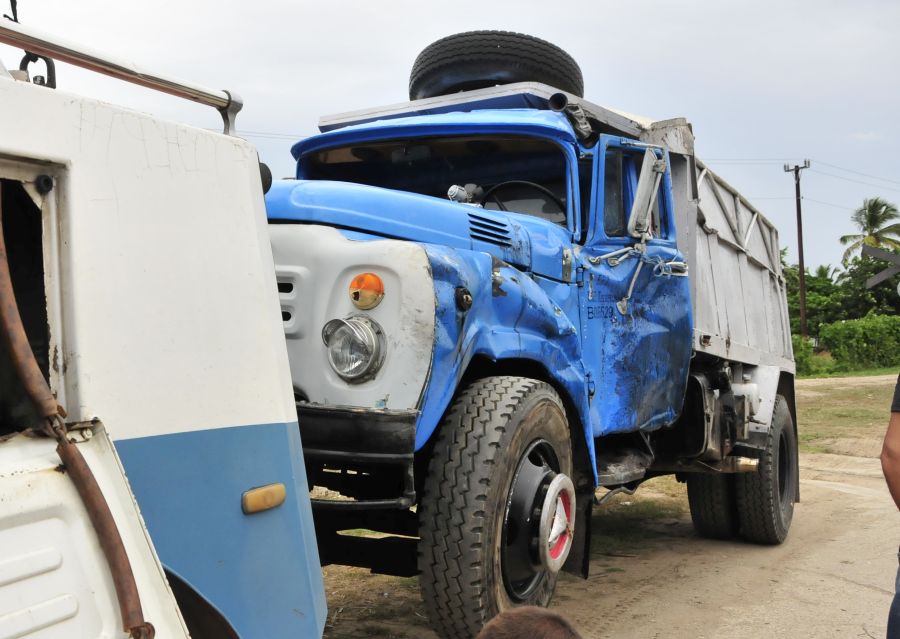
[510, 173]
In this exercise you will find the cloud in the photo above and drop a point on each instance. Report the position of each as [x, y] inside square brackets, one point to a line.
[864, 136]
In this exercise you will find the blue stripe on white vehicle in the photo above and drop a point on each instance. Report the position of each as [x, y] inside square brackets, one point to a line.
[255, 568]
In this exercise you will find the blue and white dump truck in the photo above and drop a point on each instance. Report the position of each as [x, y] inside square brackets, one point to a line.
[500, 298]
[137, 291]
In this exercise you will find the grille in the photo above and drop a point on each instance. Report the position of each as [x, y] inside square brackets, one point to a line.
[485, 229]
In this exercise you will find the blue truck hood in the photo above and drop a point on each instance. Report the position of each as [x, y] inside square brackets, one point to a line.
[526, 242]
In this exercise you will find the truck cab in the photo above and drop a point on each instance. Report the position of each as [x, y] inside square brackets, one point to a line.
[512, 298]
[526, 252]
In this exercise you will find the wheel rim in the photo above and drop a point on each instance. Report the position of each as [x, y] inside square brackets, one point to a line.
[530, 551]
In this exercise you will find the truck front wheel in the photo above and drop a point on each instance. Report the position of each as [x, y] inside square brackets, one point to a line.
[496, 516]
[765, 499]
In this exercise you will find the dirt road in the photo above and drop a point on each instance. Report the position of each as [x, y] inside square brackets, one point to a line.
[653, 577]
[832, 578]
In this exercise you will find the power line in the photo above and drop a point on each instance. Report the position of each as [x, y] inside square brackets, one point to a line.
[837, 206]
[754, 161]
[868, 175]
[748, 159]
[841, 177]
[804, 198]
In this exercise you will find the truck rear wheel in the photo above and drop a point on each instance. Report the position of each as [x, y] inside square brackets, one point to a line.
[712, 502]
[496, 517]
[479, 59]
[765, 499]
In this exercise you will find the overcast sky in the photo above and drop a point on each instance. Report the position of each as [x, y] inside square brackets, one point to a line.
[763, 82]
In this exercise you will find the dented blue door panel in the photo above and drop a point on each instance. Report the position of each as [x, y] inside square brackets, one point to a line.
[635, 307]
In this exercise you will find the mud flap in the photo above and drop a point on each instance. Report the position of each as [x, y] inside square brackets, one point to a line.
[579, 560]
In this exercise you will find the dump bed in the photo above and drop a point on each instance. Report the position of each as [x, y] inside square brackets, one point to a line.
[732, 250]
[737, 285]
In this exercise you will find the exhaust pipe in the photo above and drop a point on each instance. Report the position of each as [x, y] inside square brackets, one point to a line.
[558, 102]
[739, 465]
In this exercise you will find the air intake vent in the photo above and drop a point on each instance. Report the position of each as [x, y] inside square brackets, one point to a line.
[485, 229]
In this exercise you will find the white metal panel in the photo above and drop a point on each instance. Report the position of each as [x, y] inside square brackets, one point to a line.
[740, 309]
[720, 284]
[54, 580]
[319, 263]
[155, 345]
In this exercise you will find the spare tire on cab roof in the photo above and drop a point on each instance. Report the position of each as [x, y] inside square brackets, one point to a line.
[479, 59]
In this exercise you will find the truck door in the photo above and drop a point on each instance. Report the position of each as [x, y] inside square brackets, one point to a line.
[635, 305]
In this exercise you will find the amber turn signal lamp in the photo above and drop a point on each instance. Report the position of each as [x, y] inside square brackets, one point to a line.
[263, 498]
[366, 291]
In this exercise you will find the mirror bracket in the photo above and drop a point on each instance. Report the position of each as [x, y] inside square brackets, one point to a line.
[652, 170]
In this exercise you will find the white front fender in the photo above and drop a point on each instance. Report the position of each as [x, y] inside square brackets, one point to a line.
[314, 266]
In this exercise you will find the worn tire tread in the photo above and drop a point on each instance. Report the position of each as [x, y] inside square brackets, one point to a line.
[543, 60]
[757, 503]
[712, 503]
[451, 520]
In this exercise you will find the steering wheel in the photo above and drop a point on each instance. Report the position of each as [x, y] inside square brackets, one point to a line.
[492, 192]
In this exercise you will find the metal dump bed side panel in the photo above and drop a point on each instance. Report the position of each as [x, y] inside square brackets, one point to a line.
[738, 289]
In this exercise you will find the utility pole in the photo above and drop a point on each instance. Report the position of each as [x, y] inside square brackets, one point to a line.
[796, 171]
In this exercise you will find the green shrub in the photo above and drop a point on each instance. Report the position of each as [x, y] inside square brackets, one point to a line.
[803, 355]
[870, 342]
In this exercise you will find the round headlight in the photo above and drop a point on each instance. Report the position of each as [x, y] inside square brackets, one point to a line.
[355, 347]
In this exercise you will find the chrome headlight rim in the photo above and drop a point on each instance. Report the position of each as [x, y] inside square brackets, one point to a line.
[365, 330]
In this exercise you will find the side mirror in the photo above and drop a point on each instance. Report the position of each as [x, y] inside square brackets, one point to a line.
[652, 170]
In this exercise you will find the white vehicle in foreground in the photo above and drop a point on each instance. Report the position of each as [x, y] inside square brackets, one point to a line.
[137, 291]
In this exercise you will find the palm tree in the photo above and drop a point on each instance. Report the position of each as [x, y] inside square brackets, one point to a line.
[872, 218]
[824, 272]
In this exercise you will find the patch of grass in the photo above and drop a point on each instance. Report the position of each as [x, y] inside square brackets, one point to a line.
[667, 485]
[833, 415]
[811, 442]
[626, 524]
[813, 365]
[833, 372]
[363, 604]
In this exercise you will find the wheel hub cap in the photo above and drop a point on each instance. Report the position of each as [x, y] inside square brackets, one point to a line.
[538, 522]
[557, 524]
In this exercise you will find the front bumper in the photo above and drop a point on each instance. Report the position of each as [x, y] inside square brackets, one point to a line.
[364, 454]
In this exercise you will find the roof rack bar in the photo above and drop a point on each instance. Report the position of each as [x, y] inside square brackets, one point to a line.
[226, 103]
